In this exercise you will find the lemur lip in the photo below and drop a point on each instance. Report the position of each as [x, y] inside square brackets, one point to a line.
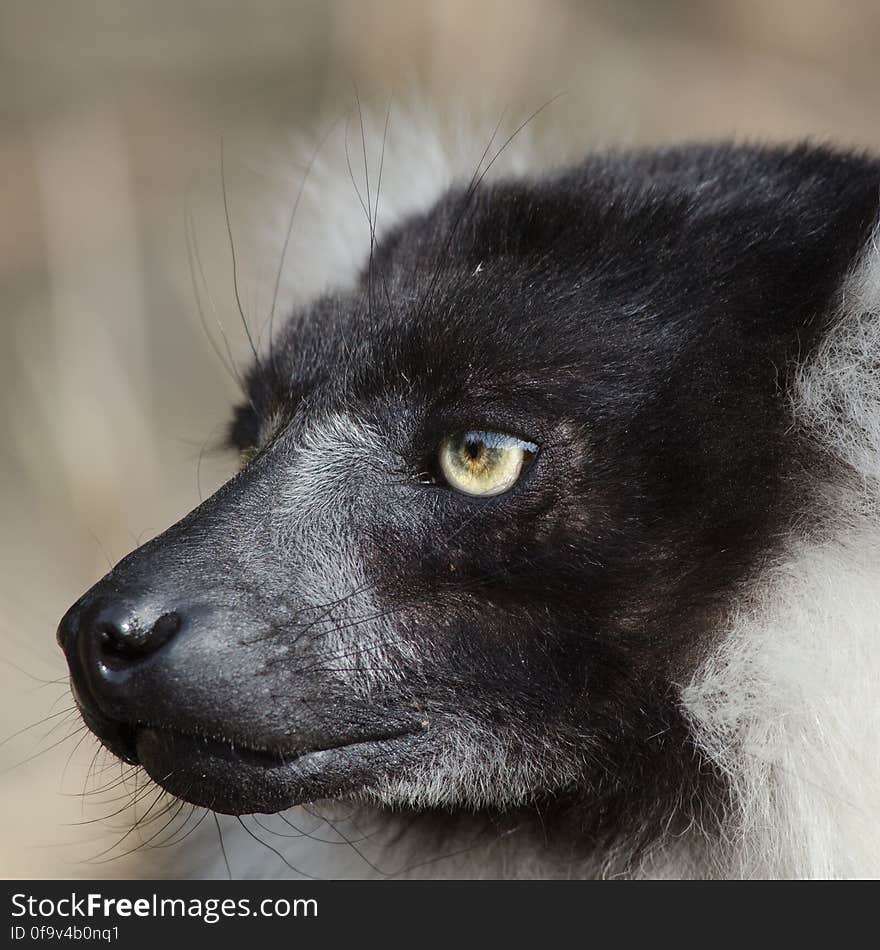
[235, 780]
[124, 740]
[217, 744]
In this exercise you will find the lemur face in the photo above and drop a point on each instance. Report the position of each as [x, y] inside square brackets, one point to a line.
[496, 501]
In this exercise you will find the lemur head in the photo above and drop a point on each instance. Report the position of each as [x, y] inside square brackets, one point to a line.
[495, 500]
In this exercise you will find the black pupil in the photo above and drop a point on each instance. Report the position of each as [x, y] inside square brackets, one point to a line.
[472, 449]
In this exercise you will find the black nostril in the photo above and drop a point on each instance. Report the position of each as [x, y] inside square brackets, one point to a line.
[123, 634]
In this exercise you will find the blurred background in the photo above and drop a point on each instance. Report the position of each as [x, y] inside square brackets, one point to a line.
[111, 118]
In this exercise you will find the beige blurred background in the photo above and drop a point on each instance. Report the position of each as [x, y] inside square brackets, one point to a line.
[111, 116]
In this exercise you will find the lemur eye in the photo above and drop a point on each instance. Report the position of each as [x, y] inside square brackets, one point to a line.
[484, 463]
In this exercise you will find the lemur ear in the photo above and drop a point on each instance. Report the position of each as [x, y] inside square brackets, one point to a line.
[244, 429]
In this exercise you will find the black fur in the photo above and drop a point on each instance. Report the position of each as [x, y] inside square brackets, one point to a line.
[639, 317]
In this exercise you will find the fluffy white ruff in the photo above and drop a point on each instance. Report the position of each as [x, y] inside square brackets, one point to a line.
[789, 705]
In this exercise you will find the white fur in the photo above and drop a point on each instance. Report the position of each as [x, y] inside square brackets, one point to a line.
[477, 765]
[789, 705]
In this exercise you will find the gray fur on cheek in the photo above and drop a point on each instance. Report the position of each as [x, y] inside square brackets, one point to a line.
[325, 499]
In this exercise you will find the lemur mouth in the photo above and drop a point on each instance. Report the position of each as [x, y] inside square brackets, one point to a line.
[229, 776]
[226, 777]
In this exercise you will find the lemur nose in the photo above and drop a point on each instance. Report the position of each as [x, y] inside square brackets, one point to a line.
[116, 631]
[108, 639]
[122, 633]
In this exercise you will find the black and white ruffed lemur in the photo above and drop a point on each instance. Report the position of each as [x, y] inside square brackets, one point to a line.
[556, 547]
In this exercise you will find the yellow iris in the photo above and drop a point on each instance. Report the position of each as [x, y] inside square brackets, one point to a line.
[484, 463]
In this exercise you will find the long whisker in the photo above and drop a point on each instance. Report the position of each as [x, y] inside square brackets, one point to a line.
[39, 722]
[42, 752]
[174, 839]
[235, 283]
[222, 846]
[296, 203]
[265, 844]
[61, 680]
[195, 264]
[475, 183]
